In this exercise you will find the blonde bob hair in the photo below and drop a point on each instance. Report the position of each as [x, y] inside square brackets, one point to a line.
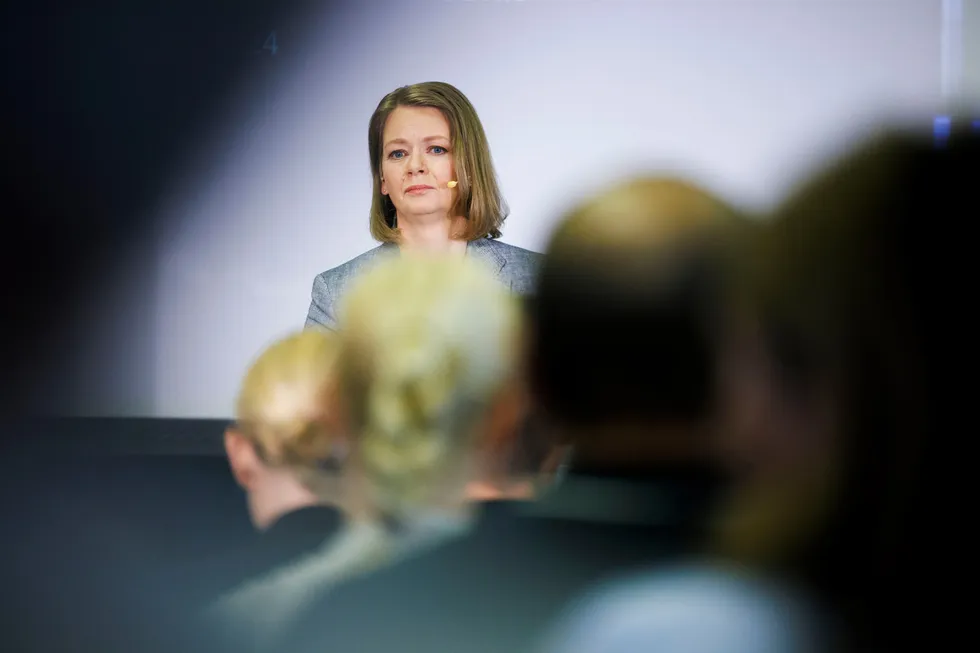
[428, 345]
[285, 403]
[478, 196]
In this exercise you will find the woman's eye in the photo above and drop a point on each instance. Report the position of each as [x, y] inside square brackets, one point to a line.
[437, 149]
[397, 154]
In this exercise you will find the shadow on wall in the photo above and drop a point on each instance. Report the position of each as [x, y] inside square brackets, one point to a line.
[141, 83]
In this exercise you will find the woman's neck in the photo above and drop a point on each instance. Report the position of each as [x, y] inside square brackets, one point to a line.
[435, 237]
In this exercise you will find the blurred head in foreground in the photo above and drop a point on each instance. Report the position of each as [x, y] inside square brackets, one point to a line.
[835, 398]
[284, 448]
[428, 366]
[621, 342]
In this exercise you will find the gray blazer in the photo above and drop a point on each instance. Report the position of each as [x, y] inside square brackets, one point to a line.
[515, 267]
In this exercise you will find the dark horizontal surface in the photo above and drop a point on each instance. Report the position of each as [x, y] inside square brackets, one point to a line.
[80, 529]
[117, 436]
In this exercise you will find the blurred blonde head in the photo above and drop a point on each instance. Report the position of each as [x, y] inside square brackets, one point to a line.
[284, 417]
[428, 346]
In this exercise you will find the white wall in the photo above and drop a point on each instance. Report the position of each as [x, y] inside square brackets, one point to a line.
[969, 43]
[744, 95]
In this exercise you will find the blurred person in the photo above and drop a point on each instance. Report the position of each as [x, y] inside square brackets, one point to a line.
[837, 409]
[620, 361]
[840, 402]
[435, 191]
[115, 591]
[427, 367]
[286, 451]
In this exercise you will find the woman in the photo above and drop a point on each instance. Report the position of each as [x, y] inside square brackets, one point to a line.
[428, 357]
[435, 190]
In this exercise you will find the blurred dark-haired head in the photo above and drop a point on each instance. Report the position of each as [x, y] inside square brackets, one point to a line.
[621, 335]
[838, 403]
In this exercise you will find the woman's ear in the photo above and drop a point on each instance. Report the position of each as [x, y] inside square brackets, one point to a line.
[242, 458]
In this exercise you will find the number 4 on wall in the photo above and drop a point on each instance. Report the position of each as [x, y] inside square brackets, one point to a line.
[271, 43]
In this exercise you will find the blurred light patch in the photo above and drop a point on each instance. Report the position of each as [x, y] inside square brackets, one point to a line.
[941, 127]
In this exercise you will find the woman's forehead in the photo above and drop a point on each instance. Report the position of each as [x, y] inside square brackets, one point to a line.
[416, 123]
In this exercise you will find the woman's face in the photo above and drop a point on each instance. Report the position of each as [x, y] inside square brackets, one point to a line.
[417, 162]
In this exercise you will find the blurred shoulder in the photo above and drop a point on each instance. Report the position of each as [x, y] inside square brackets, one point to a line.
[696, 608]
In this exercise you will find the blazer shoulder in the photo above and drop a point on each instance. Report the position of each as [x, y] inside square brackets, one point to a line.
[330, 285]
[513, 253]
[342, 274]
[337, 279]
[519, 266]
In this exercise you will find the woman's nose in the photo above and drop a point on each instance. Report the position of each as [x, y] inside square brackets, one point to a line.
[416, 162]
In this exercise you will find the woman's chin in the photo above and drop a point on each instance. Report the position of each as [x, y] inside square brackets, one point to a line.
[421, 210]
